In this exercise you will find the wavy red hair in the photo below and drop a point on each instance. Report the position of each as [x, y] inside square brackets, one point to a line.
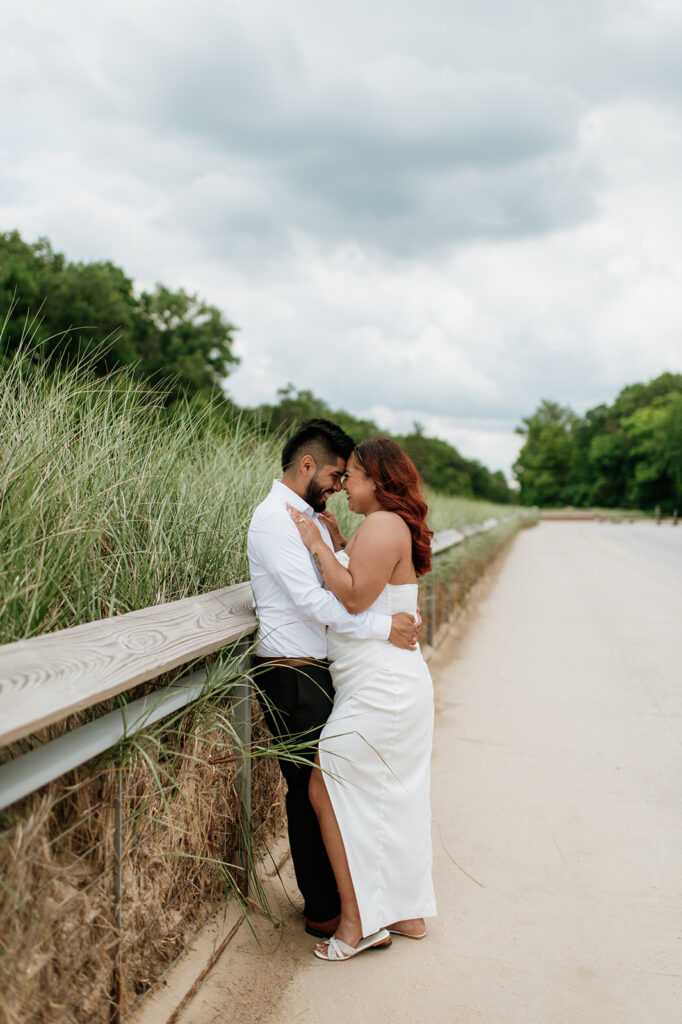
[399, 490]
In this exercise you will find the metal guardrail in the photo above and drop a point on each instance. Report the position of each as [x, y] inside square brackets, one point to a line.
[125, 650]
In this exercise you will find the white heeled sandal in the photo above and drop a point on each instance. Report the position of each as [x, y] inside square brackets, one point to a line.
[336, 949]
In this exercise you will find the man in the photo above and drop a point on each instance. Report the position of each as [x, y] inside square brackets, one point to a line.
[291, 650]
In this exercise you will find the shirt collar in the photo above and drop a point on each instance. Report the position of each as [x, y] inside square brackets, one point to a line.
[286, 494]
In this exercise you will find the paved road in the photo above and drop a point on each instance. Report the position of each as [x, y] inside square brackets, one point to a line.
[659, 546]
[557, 802]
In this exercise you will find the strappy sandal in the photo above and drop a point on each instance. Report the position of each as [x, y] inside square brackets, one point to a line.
[336, 949]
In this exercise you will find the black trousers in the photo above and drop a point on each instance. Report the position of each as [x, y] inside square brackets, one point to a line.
[296, 702]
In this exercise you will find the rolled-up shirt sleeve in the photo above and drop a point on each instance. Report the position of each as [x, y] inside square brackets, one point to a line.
[279, 547]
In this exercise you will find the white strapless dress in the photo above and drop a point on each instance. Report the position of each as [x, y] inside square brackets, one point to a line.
[375, 752]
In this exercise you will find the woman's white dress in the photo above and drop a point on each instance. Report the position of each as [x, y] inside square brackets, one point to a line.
[375, 753]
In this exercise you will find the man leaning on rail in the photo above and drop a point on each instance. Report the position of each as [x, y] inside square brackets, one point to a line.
[291, 649]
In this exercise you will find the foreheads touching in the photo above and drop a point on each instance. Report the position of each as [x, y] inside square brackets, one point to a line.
[320, 438]
[314, 460]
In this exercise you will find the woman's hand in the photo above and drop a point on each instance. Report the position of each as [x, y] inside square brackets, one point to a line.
[332, 523]
[305, 526]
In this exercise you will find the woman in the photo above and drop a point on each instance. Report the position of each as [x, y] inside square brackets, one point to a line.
[372, 793]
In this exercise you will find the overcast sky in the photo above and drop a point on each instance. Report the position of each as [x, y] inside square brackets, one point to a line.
[436, 211]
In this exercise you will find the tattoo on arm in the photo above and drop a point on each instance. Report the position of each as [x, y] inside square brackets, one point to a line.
[318, 562]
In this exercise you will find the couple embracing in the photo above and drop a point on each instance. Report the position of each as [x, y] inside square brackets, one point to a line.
[337, 660]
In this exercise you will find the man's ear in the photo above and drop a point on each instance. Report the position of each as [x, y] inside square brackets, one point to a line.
[307, 466]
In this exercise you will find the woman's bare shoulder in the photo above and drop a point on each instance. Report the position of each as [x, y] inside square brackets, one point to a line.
[384, 523]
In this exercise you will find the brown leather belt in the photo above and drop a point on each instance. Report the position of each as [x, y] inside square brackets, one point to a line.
[288, 662]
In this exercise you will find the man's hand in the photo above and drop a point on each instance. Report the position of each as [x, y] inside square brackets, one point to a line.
[404, 631]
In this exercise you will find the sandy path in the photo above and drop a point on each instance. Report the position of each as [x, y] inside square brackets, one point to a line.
[557, 801]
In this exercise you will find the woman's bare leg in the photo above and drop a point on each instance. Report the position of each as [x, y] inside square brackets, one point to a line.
[349, 928]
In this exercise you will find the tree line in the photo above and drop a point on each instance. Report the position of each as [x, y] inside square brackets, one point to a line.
[624, 455]
[77, 311]
[439, 463]
[181, 345]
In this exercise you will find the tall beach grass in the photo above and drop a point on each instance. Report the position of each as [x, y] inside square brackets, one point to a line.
[108, 503]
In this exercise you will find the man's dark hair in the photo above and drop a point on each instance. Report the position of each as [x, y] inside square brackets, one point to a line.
[319, 438]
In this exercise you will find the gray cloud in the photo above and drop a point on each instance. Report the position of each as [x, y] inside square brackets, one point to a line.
[471, 134]
[401, 152]
[446, 210]
[470, 159]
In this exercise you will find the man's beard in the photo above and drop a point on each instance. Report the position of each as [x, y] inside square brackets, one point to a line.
[314, 496]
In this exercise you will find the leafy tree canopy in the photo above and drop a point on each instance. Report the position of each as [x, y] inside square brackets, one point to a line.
[71, 310]
[628, 454]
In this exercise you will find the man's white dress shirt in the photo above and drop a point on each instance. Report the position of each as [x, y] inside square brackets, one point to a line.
[293, 608]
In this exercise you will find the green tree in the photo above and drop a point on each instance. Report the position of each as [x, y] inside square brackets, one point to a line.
[654, 433]
[607, 466]
[625, 454]
[183, 342]
[76, 309]
[439, 464]
[636, 396]
[544, 467]
[294, 407]
[69, 309]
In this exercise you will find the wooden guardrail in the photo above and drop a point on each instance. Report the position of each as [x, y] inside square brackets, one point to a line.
[46, 678]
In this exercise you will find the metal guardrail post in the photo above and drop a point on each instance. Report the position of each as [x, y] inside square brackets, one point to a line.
[432, 613]
[242, 725]
[117, 986]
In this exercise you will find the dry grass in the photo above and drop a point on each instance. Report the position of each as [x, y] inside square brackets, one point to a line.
[61, 956]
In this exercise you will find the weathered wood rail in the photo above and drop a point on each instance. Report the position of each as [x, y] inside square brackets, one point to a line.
[44, 679]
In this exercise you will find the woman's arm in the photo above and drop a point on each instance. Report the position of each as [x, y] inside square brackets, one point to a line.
[377, 548]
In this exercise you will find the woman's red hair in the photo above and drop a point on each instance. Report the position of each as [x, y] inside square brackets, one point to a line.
[399, 490]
